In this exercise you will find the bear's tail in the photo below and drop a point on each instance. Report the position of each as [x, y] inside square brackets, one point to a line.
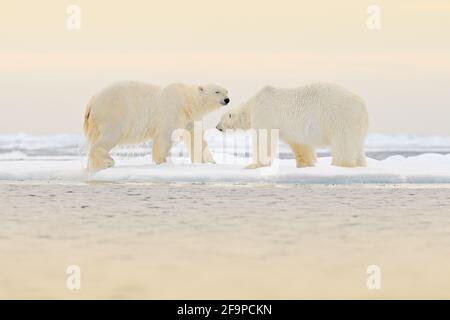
[89, 127]
[86, 121]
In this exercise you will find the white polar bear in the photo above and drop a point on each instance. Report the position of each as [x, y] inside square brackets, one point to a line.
[134, 112]
[311, 116]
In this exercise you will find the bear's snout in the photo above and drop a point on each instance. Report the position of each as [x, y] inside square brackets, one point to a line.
[226, 101]
[219, 128]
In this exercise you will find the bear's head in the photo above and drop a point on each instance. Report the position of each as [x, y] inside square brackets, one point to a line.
[237, 118]
[213, 96]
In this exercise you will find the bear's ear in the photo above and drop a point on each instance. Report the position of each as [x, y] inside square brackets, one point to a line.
[201, 89]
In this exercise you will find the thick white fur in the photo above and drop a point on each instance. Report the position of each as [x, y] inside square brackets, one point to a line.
[134, 112]
[307, 117]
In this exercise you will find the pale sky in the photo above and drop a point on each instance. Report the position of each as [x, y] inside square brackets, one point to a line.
[47, 72]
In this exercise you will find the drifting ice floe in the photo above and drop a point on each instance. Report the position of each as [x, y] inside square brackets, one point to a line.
[62, 158]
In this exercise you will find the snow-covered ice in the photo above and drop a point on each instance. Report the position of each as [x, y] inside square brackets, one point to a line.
[62, 158]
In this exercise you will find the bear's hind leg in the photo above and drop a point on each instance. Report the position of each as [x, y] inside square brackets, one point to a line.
[362, 160]
[161, 147]
[344, 154]
[305, 155]
[99, 157]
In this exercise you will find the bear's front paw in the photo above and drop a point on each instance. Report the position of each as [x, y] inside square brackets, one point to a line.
[209, 160]
[208, 157]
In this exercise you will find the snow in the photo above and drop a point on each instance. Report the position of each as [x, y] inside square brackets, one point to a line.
[62, 158]
[426, 168]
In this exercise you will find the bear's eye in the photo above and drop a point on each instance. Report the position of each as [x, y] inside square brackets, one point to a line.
[217, 92]
[229, 115]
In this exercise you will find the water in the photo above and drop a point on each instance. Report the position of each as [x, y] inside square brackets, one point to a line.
[217, 231]
[184, 240]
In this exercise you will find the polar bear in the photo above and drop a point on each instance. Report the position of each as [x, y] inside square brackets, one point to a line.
[134, 112]
[307, 117]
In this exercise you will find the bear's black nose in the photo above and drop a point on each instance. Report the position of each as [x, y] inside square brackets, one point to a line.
[226, 100]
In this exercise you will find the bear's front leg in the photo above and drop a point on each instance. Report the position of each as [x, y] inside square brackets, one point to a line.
[262, 151]
[207, 156]
[194, 150]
